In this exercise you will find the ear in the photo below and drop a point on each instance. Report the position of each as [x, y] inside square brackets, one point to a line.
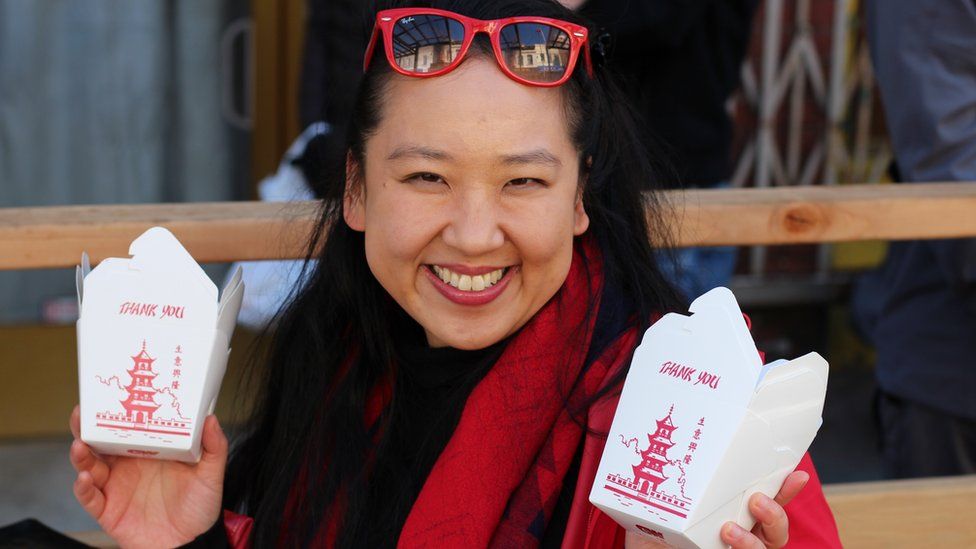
[581, 221]
[353, 198]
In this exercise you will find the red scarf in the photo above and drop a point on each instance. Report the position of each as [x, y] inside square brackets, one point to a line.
[497, 481]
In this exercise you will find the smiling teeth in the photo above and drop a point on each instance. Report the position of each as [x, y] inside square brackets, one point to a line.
[468, 283]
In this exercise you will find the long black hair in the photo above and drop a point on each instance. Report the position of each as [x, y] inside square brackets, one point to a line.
[303, 457]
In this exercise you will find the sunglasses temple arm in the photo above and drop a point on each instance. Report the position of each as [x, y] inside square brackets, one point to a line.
[372, 45]
[586, 58]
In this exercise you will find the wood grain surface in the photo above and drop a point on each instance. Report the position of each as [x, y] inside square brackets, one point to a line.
[933, 512]
[52, 237]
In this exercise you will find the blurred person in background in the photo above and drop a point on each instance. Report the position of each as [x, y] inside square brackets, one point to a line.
[332, 67]
[921, 303]
[335, 34]
[679, 63]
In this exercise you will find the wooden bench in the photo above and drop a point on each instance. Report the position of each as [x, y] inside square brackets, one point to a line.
[915, 513]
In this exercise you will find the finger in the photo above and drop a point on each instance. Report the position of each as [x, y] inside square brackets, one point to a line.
[792, 486]
[91, 498]
[83, 459]
[214, 443]
[738, 538]
[772, 523]
[214, 440]
[75, 422]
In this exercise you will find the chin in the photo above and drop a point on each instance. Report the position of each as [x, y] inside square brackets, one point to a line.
[465, 342]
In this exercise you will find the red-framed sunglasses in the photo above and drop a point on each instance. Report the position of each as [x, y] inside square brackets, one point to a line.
[537, 51]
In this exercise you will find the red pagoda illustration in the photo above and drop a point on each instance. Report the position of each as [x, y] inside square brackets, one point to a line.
[649, 473]
[140, 405]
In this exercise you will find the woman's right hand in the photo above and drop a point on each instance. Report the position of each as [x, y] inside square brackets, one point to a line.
[151, 503]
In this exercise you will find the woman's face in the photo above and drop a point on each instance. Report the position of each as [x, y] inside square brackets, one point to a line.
[471, 201]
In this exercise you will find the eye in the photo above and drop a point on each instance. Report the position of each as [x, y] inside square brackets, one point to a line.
[525, 182]
[425, 177]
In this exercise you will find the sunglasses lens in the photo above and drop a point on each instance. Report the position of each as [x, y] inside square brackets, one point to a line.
[535, 51]
[426, 43]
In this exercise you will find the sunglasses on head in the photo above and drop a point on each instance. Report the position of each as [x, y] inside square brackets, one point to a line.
[537, 51]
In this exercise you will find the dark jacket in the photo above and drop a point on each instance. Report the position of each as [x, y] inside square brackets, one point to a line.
[925, 326]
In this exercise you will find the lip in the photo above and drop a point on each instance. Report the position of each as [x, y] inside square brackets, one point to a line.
[471, 298]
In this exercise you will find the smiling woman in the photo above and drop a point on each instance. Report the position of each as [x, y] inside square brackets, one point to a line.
[444, 377]
[450, 191]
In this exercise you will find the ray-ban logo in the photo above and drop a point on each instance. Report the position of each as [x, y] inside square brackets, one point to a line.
[406, 20]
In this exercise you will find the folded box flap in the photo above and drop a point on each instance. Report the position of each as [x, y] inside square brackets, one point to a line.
[161, 272]
[668, 322]
[781, 421]
[81, 271]
[722, 299]
[231, 285]
[798, 383]
[230, 306]
[791, 399]
[94, 282]
[724, 345]
[749, 458]
[79, 286]
[158, 251]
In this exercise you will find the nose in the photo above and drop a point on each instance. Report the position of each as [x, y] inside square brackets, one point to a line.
[474, 227]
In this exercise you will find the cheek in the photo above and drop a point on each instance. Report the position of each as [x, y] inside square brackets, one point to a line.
[398, 229]
[546, 244]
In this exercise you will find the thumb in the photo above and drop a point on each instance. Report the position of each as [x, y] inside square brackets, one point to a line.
[214, 457]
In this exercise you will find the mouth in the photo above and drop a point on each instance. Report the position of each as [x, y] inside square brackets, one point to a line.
[468, 282]
[472, 286]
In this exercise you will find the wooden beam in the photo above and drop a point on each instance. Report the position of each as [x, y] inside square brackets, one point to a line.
[797, 215]
[213, 232]
[217, 232]
[906, 513]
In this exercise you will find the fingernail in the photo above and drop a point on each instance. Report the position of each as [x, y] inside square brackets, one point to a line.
[766, 503]
[734, 531]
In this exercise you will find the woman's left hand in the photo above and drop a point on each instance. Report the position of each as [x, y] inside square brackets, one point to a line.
[771, 529]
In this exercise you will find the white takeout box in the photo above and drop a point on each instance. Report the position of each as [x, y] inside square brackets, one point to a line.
[152, 349]
[702, 425]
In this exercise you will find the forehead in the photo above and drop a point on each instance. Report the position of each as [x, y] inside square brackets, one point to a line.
[474, 110]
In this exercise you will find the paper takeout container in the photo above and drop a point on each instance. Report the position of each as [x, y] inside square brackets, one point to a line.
[702, 425]
[152, 349]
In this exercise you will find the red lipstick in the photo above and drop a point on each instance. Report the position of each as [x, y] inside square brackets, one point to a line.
[462, 297]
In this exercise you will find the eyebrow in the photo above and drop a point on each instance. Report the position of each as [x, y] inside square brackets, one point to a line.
[537, 156]
[428, 153]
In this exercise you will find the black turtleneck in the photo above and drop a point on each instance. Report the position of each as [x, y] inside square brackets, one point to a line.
[434, 385]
